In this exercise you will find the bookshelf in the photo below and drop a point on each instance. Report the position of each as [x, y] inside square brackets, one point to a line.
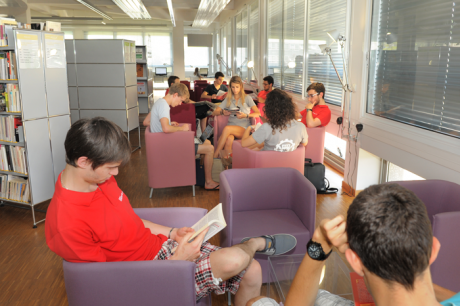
[102, 81]
[144, 83]
[45, 117]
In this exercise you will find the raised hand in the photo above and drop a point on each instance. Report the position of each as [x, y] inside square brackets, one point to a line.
[189, 251]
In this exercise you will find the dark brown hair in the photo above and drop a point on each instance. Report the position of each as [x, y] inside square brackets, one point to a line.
[172, 79]
[98, 139]
[389, 229]
[318, 87]
[279, 110]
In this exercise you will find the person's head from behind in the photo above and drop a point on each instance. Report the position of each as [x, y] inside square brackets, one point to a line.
[197, 71]
[173, 80]
[390, 236]
[236, 89]
[279, 109]
[179, 93]
[316, 92]
[268, 83]
[96, 147]
[219, 78]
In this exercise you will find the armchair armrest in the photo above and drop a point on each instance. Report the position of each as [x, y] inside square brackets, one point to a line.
[303, 203]
[172, 216]
[130, 283]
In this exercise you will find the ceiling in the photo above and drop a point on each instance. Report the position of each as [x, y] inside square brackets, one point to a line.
[41, 9]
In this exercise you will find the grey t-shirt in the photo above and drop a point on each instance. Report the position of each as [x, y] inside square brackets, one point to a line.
[284, 141]
[160, 110]
[246, 108]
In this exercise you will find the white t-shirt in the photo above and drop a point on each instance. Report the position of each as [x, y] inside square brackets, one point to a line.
[284, 141]
[160, 110]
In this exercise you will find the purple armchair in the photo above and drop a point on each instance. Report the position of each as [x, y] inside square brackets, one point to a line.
[315, 147]
[442, 201]
[169, 155]
[267, 201]
[247, 158]
[137, 282]
[220, 122]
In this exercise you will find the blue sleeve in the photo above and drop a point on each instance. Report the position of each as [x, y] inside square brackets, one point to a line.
[453, 301]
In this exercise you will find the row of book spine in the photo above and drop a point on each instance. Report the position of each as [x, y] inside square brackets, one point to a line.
[10, 97]
[11, 129]
[8, 70]
[13, 158]
[6, 30]
[14, 188]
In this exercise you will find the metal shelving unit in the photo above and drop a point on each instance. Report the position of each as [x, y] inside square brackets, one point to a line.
[45, 112]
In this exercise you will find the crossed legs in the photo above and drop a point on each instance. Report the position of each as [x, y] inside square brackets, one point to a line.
[228, 262]
[226, 138]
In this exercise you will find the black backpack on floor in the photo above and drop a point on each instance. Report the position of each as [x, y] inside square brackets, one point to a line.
[315, 173]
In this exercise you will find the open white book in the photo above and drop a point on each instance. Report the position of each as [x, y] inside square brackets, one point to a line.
[214, 220]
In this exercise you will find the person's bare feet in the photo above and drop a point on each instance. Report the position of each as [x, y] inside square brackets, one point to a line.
[211, 185]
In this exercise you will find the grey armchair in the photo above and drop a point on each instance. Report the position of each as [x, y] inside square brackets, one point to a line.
[267, 201]
[137, 282]
[442, 201]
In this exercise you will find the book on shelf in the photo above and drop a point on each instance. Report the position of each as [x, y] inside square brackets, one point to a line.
[214, 220]
[13, 158]
[11, 129]
[14, 188]
[9, 98]
[6, 30]
[140, 70]
[8, 69]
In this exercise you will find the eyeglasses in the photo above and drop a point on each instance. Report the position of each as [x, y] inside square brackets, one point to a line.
[311, 96]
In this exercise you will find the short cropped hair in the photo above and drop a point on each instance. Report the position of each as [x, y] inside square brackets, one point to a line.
[172, 79]
[218, 75]
[269, 79]
[180, 89]
[318, 87]
[98, 139]
[389, 229]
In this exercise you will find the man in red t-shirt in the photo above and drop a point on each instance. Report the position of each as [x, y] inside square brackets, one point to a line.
[90, 219]
[316, 112]
[262, 96]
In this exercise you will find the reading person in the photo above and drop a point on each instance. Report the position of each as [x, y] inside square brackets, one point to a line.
[282, 132]
[212, 89]
[90, 219]
[262, 96]
[316, 112]
[237, 121]
[388, 240]
[160, 121]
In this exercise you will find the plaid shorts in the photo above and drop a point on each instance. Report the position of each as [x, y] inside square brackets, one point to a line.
[205, 283]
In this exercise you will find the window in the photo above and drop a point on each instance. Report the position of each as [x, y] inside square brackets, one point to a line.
[254, 36]
[137, 37]
[285, 31]
[325, 16]
[159, 49]
[396, 173]
[98, 35]
[195, 57]
[413, 71]
[242, 44]
[229, 59]
[68, 34]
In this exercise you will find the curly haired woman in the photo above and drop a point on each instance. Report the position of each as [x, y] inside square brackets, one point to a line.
[282, 132]
[237, 123]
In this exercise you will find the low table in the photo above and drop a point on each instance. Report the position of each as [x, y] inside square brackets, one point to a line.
[282, 269]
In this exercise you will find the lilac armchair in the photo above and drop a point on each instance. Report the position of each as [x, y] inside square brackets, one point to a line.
[169, 155]
[315, 147]
[267, 201]
[247, 158]
[442, 201]
[137, 282]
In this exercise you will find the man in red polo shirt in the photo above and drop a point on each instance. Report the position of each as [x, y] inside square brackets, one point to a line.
[316, 112]
[262, 96]
[90, 219]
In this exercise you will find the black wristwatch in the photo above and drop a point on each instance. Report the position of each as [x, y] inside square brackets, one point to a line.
[309, 109]
[315, 251]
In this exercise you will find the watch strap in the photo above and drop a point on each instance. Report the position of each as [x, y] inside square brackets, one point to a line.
[323, 255]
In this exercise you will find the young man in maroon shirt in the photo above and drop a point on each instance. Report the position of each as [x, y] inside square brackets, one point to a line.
[90, 219]
[316, 112]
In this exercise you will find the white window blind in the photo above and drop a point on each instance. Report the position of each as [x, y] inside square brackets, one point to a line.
[137, 37]
[254, 38]
[195, 57]
[414, 70]
[229, 59]
[325, 16]
[242, 44]
[98, 35]
[286, 20]
[223, 48]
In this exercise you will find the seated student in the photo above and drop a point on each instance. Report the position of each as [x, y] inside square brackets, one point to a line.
[316, 112]
[387, 239]
[268, 86]
[212, 89]
[160, 121]
[237, 123]
[90, 219]
[282, 132]
[172, 80]
[196, 75]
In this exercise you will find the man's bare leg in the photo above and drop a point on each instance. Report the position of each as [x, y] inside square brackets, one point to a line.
[203, 123]
[234, 130]
[228, 262]
[207, 149]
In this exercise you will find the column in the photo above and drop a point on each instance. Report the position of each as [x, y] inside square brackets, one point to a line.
[178, 49]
